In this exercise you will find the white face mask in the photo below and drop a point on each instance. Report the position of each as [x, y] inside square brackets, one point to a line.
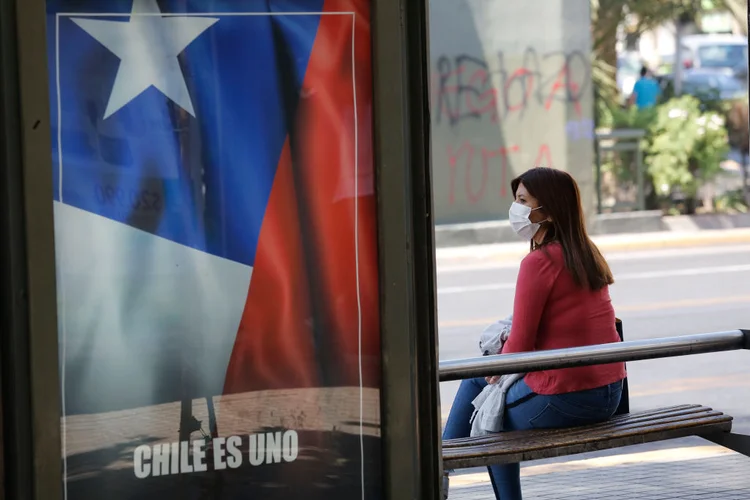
[518, 216]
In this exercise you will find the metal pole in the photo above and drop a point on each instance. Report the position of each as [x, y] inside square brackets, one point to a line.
[745, 167]
[31, 441]
[503, 364]
[745, 175]
[639, 175]
[410, 397]
[678, 63]
[598, 157]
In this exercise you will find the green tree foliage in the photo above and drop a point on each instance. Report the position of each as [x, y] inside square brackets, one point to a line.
[686, 146]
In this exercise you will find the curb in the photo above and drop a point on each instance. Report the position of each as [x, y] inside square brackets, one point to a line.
[478, 254]
[676, 240]
[499, 231]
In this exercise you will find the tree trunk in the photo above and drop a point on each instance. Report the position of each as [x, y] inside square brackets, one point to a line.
[606, 19]
[652, 196]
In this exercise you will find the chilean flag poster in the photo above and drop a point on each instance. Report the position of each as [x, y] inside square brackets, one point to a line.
[216, 248]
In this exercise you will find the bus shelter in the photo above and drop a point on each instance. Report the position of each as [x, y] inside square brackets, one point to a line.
[217, 233]
[217, 249]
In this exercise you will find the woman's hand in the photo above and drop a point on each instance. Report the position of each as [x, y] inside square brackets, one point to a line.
[493, 379]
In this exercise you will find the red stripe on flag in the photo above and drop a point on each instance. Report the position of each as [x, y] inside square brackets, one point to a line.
[325, 153]
[274, 348]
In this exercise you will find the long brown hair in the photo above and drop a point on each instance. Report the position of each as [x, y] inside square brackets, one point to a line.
[560, 200]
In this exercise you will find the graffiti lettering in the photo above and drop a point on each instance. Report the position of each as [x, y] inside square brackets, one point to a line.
[466, 89]
[543, 157]
[473, 169]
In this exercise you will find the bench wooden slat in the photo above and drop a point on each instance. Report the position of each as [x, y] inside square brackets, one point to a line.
[630, 419]
[624, 430]
[543, 441]
[618, 420]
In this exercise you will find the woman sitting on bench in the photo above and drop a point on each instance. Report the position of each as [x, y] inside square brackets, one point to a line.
[561, 300]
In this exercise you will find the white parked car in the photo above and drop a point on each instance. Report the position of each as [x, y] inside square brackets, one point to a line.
[719, 52]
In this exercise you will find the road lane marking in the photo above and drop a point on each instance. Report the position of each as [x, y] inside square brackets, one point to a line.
[667, 273]
[476, 288]
[689, 384]
[678, 304]
[614, 257]
[696, 271]
[649, 306]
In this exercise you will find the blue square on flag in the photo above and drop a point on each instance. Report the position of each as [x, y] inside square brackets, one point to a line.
[151, 107]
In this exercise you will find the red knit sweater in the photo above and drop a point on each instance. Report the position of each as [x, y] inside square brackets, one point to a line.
[551, 312]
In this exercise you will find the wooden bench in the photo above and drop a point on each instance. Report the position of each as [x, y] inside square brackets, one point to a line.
[622, 430]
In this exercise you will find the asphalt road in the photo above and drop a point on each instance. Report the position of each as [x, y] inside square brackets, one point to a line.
[657, 293]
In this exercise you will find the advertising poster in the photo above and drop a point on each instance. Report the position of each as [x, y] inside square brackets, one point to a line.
[216, 249]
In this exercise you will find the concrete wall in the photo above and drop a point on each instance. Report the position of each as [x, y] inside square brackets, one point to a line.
[511, 89]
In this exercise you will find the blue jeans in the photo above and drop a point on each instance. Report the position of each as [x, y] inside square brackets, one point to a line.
[525, 409]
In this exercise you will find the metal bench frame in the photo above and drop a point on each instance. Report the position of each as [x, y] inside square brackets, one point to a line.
[602, 354]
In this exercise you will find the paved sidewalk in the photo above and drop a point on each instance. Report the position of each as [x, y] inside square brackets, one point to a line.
[706, 473]
[623, 224]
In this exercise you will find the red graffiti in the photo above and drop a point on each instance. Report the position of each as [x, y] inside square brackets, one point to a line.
[453, 161]
[544, 154]
[502, 152]
[525, 78]
[493, 168]
[564, 83]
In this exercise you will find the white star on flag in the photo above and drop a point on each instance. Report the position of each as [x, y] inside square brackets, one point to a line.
[148, 46]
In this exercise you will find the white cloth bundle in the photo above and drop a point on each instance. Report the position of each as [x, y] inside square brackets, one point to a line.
[490, 404]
